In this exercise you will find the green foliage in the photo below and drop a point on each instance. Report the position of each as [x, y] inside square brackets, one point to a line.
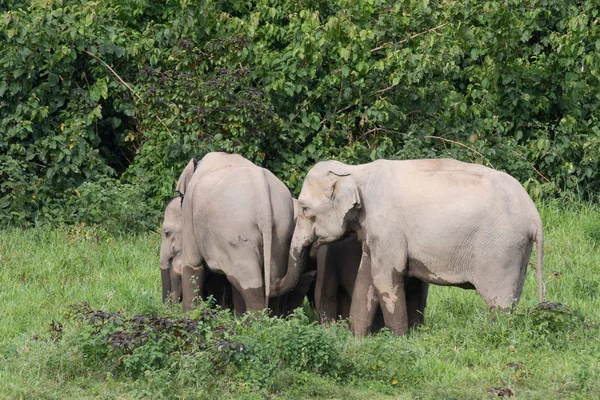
[132, 90]
[111, 204]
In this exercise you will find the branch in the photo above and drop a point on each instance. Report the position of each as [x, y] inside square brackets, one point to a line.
[375, 130]
[127, 86]
[531, 165]
[435, 28]
[380, 91]
[461, 144]
[344, 109]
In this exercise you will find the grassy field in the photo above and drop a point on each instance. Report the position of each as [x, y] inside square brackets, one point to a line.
[459, 353]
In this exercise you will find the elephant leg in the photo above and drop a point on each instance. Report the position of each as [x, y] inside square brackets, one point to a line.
[165, 275]
[364, 299]
[344, 302]
[326, 290]
[276, 305]
[239, 307]
[416, 300]
[226, 300]
[389, 283]
[253, 291]
[192, 284]
[254, 298]
[295, 298]
[502, 288]
[217, 286]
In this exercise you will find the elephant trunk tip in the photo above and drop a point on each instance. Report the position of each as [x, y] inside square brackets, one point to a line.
[296, 263]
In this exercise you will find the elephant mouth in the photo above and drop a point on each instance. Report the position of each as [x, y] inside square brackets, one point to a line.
[326, 239]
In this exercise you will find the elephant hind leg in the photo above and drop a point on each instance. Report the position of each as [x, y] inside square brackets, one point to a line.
[503, 291]
[246, 277]
[416, 292]
[192, 282]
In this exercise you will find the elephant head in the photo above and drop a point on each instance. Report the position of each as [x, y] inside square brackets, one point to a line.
[170, 251]
[328, 207]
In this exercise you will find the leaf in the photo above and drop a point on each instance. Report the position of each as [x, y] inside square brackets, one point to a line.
[345, 71]
[344, 53]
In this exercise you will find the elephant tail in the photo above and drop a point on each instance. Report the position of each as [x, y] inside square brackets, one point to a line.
[539, 252]
[266, 227]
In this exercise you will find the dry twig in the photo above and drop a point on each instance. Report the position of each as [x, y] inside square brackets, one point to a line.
[435, 28]
[463, 145]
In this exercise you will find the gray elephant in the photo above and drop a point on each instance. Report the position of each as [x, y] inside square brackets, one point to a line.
[216, 285]
[237, 220]
[337, 268]
[443, 221]
[170, 251]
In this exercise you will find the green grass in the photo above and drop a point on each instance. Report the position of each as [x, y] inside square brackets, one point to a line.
[459, 353]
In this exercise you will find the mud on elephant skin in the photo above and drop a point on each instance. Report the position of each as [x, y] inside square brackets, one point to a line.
[216, 285]
[443, 221]
[237, 220]
[337, 268]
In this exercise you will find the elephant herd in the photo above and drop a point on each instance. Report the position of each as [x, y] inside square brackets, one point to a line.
[364, 241]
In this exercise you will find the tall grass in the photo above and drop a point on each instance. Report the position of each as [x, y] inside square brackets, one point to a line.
[459, 353]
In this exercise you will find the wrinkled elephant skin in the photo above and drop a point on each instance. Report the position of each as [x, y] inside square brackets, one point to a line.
[337, 268]
[237, 220]
[442, 221]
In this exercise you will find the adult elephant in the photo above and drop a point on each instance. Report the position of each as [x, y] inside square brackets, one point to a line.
[216, 285]
[237, 220]
[443, 221]
[337, 268]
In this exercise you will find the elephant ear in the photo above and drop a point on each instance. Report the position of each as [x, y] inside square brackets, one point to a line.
[295, 202]
[344, 196]
[186, 176]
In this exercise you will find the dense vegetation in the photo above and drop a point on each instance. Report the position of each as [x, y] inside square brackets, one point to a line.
[124, 344]
[102, 102]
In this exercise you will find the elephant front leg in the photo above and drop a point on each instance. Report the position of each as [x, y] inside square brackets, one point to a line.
[175, 277]
[192, 281]
[364, 299]
[388, 279]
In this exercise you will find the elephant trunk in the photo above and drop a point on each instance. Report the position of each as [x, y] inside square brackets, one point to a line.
[165, 272]
[165, 275]
[299, 254]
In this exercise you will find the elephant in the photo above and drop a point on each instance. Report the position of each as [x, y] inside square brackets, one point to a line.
[443, 221]
[170, 251]
[170, 263]
[216, 285]
[237, 220]
[337, 268]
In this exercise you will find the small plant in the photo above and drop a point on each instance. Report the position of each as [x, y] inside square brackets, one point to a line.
[145, 342]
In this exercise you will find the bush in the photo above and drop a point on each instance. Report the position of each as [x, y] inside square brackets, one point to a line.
[132, 90]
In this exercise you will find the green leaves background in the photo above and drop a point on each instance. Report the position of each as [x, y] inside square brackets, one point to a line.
[510, 84]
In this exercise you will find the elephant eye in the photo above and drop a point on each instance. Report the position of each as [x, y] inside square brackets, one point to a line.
[307, 213]
[168, 234]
